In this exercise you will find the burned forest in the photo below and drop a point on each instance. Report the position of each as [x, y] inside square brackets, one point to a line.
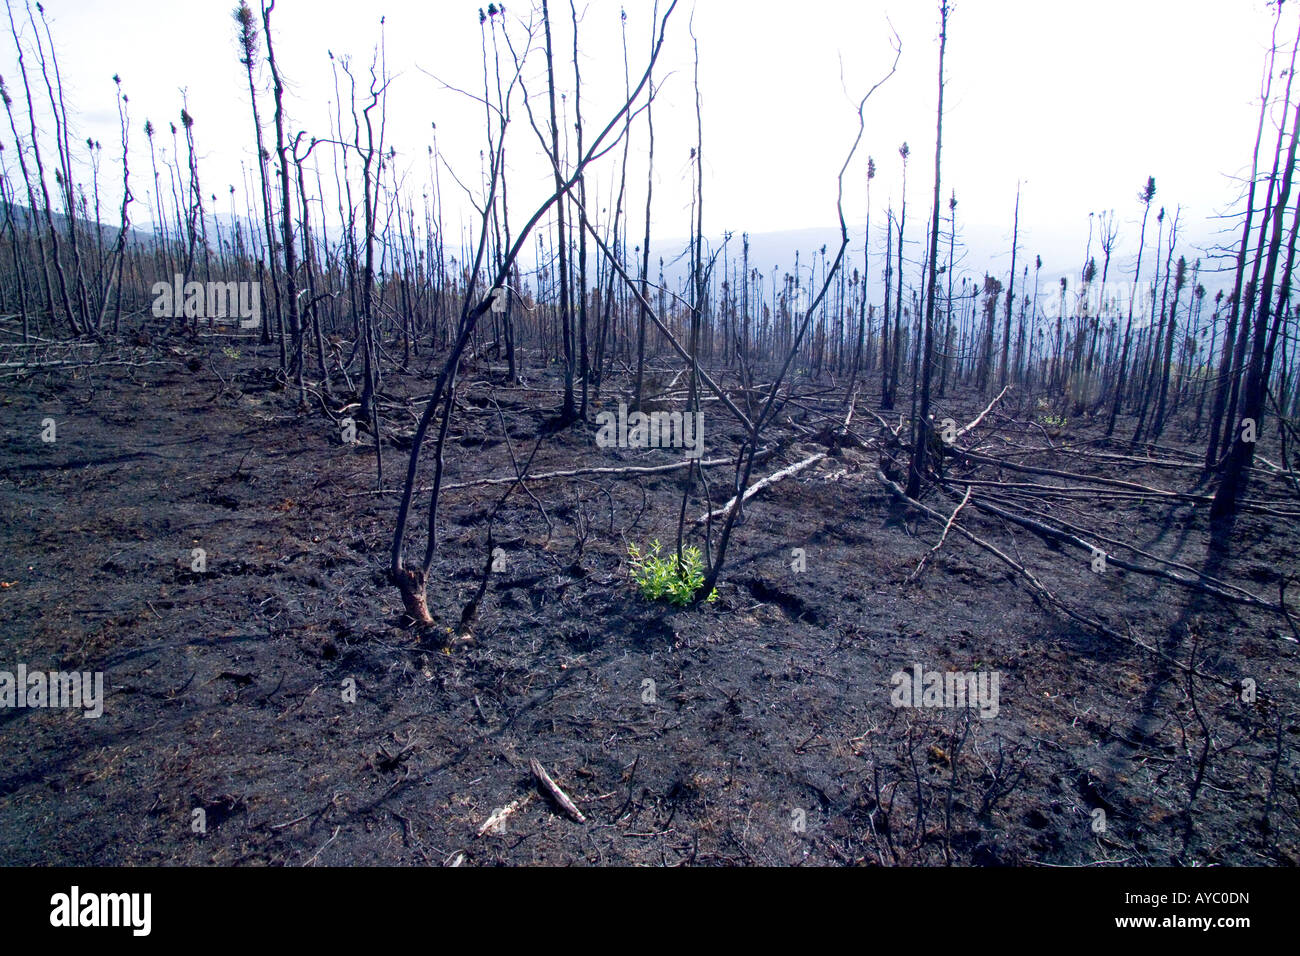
[440, 457]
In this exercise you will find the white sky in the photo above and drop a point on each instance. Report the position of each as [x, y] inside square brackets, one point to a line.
[1081, 102]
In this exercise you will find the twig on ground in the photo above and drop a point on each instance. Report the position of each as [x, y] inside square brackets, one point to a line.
[552, 788]
[942, 538]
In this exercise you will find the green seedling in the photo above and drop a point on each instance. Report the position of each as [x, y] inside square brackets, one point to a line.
[665, 577]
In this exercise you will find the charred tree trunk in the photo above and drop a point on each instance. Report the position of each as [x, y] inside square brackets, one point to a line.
[921, 440]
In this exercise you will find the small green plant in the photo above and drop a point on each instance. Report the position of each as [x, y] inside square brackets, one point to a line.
[663, 577]
[1059, 421]
[229, 352]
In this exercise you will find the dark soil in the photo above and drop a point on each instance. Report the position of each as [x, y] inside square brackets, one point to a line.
[757, 729]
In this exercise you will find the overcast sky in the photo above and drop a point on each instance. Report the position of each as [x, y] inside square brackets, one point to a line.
[1079, 102]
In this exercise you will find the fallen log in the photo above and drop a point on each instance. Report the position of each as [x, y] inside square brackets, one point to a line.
[1053, 473]
[1067, 526]
[1128, 487]
[1041, 591]
[572, 473]
[1052, 534]
[760, 485]
[980, 417]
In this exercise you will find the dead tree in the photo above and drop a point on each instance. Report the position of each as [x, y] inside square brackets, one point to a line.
[921, 427]
[1147, 194]
[862, 303]
[1157, 332]
[1238, 351]
[1242, 450]
[568, 412]
[54, 253]
[1011, 296]
[645, 247]
[1180, 279]
[247, 36]
[286, 207]
[754, 427]
[904, 151]
[411, 582]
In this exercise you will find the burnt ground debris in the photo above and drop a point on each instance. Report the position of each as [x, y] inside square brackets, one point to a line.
[754, 730]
